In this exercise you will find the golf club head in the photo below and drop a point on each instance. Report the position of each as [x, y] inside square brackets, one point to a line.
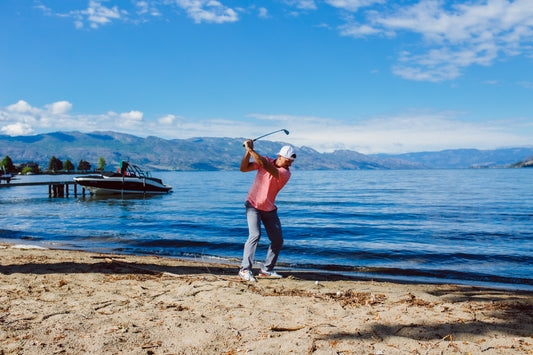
[286, 132]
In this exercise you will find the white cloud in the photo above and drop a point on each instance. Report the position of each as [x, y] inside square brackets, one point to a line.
[149, 8]
[358, 30]
[98, 14]
[407, 132]
[60, 107]
[132, 116]
[352, 5]
[302, 4]
[95, 15]
[17, 129]
[142, 7]
[22, 107]
[46, 10]
[210, 11]
[453, 37]
[22, 119]
[440, 39]
[263, 12]
[167, 120]
[526, 84]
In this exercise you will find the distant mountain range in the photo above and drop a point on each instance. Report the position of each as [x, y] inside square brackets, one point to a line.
[466, 158]
[225, 153]
[528, 163]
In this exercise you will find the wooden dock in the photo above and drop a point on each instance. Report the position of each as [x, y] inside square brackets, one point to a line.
[55, 188]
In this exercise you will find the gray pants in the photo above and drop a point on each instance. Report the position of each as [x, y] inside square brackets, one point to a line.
[273, 229]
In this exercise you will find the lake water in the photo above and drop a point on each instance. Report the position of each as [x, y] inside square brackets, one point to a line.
[470, 226]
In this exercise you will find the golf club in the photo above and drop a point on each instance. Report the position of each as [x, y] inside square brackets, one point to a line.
[268, 134]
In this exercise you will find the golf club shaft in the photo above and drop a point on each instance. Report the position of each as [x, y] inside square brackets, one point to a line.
[268, 134]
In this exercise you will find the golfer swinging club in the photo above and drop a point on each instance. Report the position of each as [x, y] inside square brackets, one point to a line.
[272, 175]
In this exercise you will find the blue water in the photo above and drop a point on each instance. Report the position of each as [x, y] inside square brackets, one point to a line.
[453, 226]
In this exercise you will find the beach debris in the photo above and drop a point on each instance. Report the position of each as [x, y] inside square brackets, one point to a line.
[177, 307]
[286, 329]
[54, 314]
[346, 298]
[376, 337]
[356, 299]
[449, 337]
[154, 344]
[413, 301]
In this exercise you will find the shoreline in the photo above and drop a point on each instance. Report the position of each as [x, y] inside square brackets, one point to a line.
[63, 301]
[320, 274]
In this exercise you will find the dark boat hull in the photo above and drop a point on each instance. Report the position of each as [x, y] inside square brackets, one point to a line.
[103, 185]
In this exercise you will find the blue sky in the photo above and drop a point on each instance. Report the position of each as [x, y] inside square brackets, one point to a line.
[373, 76]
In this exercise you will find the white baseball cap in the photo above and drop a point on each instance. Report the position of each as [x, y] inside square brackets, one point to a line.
[287, 152]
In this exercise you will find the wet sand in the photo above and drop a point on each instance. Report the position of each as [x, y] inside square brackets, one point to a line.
[72, 302]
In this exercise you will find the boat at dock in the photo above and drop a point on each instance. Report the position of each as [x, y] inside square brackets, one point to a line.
[5, 176]
[130, 179]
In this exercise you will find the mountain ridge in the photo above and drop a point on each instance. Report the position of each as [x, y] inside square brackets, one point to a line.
[465, 158]
[213, 153]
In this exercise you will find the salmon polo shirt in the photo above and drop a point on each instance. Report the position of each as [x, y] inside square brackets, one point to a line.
[265, 188]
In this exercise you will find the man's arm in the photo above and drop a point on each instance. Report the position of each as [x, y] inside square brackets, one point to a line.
[246, 165]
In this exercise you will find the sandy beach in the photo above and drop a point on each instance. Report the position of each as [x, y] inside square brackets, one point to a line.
[72, 302]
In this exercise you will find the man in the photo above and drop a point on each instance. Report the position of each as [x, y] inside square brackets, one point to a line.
[272, 175]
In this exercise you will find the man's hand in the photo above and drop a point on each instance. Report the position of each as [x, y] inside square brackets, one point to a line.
[249, 144]
[246, 165]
